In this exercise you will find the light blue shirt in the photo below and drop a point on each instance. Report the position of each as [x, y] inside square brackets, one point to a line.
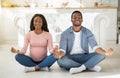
[87, 38]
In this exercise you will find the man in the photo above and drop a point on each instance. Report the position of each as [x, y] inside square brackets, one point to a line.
[74, 48]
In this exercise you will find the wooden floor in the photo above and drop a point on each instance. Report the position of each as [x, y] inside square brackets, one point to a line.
[9, 68]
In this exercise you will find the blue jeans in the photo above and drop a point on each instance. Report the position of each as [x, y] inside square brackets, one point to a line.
[76, 60]
[29, 62]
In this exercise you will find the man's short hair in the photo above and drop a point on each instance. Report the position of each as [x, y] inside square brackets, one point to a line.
[76, 12]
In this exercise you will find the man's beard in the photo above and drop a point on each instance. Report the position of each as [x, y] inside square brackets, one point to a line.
[77, 25]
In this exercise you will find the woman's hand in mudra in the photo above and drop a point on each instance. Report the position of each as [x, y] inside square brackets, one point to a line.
[13, 50]
[58, 54]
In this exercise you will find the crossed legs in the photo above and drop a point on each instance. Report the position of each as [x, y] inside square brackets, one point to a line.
[79, 62]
